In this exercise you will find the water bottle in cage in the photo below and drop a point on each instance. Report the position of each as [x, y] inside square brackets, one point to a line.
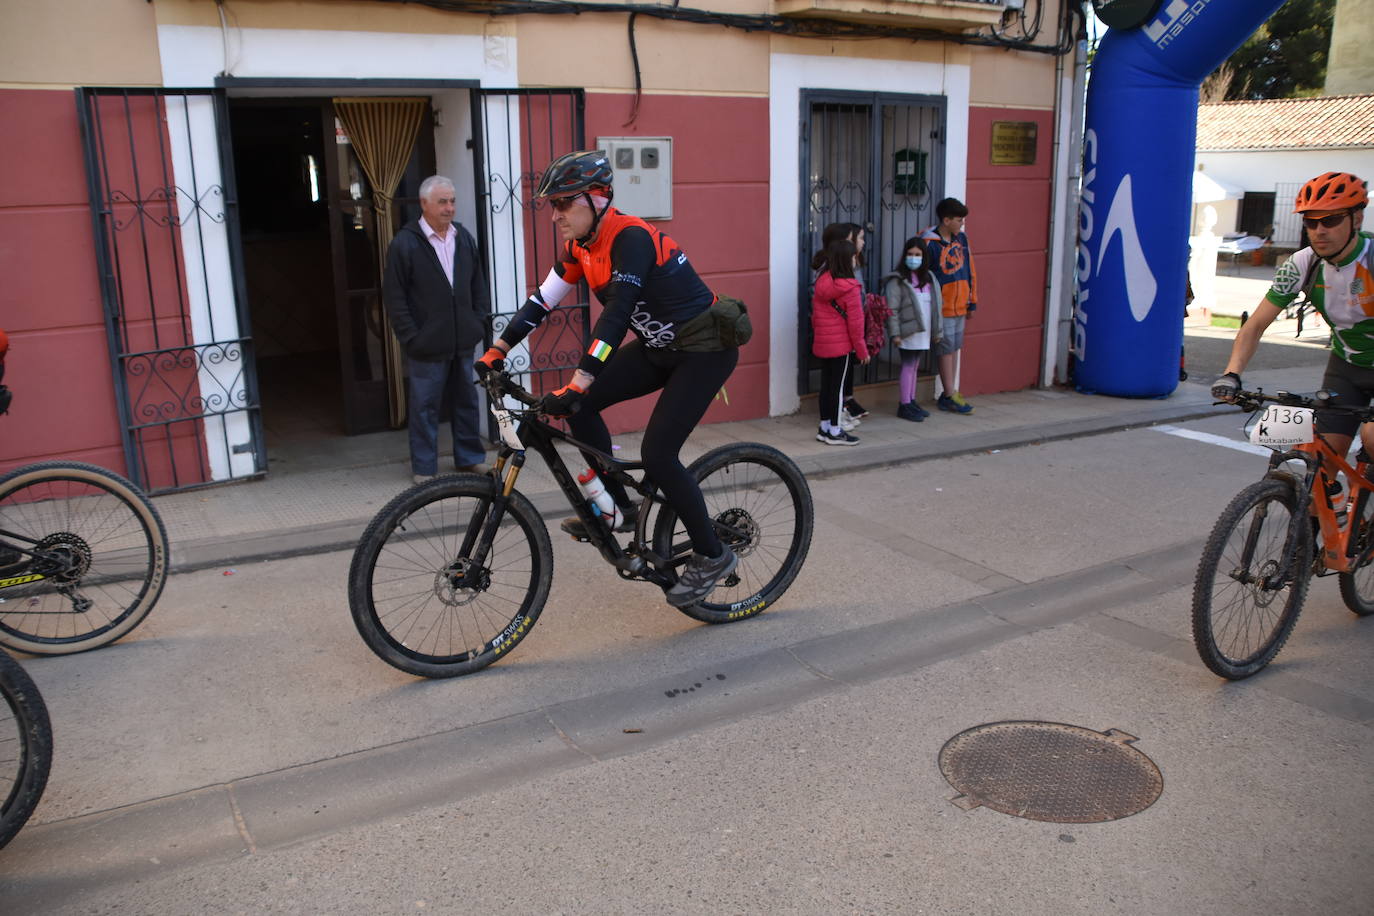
[601, 501]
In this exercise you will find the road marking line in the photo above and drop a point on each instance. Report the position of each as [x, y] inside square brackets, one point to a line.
[1211, 439]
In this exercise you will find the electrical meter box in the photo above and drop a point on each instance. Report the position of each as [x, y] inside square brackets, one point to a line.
[643, 174]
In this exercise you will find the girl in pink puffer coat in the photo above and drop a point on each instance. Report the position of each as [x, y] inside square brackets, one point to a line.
[837, 324]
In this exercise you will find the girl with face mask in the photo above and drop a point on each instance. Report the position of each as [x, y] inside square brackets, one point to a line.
[914, 325]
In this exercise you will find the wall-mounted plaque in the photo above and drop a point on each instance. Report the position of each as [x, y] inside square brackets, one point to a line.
[1013, 143]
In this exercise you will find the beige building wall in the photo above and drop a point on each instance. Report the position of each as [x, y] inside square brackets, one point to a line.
[340, 15]
[592, 51]
[58, 44]
[1350, 66]
[1002, 80]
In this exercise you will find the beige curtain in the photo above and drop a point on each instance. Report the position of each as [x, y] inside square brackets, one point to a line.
[383, 133]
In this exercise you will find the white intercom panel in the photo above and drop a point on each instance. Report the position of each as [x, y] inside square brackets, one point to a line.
[643, 174]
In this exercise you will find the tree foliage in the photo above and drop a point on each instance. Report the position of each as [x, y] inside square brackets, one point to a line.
[1286, 57]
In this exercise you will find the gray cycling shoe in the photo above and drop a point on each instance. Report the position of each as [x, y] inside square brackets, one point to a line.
[700, 576]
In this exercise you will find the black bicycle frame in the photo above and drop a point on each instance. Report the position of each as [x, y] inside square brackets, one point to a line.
[640, 562]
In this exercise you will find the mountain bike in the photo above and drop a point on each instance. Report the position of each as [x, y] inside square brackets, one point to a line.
[25, 747]
[1316, 518]
[452, 574]
[83, 558]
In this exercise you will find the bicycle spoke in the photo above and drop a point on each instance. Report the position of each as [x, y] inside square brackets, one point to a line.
[1251, 581]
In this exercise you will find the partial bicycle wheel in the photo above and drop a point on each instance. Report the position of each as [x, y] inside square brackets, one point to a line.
[101, 544]
[1243, 609]
[1357, 586]
[25, 747]
[762, 508]
[423, 604]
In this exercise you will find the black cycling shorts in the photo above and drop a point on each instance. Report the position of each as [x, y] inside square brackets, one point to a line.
[1353, 386]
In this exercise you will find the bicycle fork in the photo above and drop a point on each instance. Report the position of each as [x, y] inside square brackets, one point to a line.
[1273, 578]
[472, 554]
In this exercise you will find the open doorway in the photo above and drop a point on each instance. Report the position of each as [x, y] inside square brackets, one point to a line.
[309, 237]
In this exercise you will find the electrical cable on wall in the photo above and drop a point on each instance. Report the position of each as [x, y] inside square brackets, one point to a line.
[778, 25]
[639, 83]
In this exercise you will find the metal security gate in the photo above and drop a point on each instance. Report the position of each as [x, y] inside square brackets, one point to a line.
[521, 131]
[876, 160]
[166, 233]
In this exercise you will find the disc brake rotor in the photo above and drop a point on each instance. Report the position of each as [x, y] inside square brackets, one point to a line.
[744, 532]
[448, 582]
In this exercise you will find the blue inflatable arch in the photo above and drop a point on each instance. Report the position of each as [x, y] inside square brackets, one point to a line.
[1140, 133]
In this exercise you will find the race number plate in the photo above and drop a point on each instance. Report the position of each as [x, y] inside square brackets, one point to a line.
[507, 425]
[1280, 427]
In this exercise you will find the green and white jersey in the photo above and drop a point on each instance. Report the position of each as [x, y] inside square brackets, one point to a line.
[1342, 293]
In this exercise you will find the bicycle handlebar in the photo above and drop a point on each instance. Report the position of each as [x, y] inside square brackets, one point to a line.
[1321, 400]
[501, 383]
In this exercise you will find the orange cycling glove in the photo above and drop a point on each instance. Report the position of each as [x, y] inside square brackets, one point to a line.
[491, 361]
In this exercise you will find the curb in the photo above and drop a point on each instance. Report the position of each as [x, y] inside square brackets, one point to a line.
[280, 544]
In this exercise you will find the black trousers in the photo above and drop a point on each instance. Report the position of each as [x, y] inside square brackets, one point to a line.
[689, 382]
[834, 371]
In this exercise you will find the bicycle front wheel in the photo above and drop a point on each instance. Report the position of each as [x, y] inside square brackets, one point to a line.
[101, 544]
[761, 505]
[25, 747]
[1244, 607]
[423, 603]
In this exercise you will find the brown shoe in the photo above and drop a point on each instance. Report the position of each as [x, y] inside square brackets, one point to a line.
[480, 467]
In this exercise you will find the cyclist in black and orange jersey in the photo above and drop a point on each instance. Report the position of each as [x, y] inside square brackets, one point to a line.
[645, 284]
[1337, 271]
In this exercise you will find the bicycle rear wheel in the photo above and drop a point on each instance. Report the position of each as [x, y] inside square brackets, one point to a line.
[108, 541]
[761, 504]
[1242, 614]
[422, 604]
[1357, 586]
[25, 747]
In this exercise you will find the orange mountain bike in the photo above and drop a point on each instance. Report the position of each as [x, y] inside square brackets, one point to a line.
[1311, 514]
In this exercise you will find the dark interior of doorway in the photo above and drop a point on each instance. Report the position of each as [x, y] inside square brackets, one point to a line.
[308, 232]
[279, 169]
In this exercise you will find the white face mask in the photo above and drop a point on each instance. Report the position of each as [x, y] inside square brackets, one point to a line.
[913, 261]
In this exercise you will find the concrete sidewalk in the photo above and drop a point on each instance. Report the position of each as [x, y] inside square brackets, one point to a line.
[294, 512]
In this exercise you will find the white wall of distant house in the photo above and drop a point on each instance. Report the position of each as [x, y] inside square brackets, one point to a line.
[1265, 171]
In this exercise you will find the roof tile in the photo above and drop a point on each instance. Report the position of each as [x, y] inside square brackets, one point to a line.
[1322, 122]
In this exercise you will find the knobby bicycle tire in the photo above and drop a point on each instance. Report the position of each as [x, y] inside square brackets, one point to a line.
[403, 583]
[25, 747]
[1357, 586]
[112, 535]
[1239, 625]
[762, 506]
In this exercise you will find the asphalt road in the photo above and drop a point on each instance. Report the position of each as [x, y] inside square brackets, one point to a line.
[243, 752]
[1206, 350]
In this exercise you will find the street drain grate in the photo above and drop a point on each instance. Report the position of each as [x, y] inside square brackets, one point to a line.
[1046, 771]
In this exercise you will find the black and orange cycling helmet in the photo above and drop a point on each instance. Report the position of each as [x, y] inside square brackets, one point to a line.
[1332, 191]
[581, 170]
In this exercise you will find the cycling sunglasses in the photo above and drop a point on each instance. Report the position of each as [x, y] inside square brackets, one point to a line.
[563, 203]
[1330, 222]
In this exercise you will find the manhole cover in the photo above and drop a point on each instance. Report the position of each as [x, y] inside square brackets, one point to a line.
[1046, 771]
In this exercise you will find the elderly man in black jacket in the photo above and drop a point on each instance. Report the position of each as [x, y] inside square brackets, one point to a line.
[437, 298]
